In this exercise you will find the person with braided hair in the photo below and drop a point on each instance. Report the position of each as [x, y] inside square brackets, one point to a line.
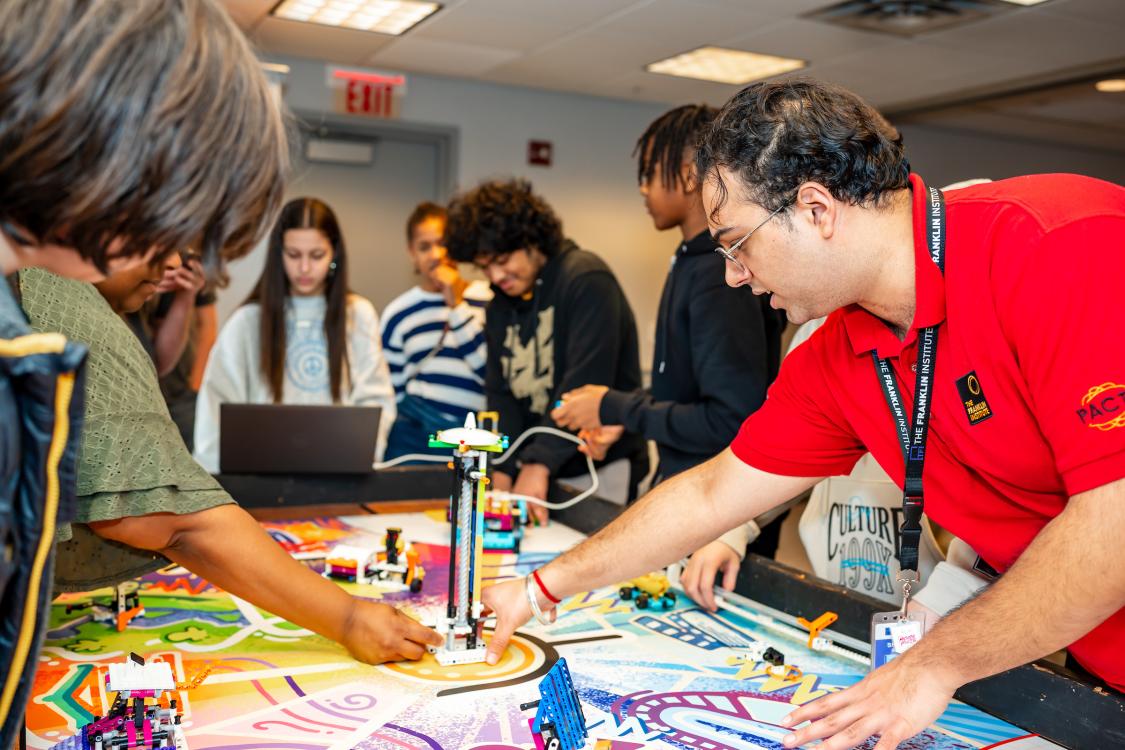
[717, 347]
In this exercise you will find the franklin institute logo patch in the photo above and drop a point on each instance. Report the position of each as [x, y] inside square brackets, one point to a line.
[1103, 407]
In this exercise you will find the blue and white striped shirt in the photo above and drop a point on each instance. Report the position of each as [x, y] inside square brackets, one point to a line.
[452, 379]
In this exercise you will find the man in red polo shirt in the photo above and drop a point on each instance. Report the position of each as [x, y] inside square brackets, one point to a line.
[1007, 290]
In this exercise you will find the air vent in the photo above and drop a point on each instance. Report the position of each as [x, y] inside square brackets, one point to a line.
[907, 17]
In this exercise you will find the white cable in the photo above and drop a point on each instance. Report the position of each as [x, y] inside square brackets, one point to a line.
[527, 498]
[500, 494]
[410, 457]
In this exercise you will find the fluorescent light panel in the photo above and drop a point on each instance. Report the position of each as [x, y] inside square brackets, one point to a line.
[1111, 85]
[382, 16]
[1025, 2]
[724, 65]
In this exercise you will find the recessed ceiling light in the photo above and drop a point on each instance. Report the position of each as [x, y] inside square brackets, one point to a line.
[1111, 85]
[1025, 2]
[382, 16]
[724, 65]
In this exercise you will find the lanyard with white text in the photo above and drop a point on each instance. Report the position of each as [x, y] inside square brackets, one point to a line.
[913, 437]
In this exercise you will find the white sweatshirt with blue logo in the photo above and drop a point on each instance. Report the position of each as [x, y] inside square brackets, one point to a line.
[233, 373]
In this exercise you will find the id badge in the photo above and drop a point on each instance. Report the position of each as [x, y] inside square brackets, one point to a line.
[894, 633]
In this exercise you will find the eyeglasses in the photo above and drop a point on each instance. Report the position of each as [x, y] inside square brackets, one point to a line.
[729, 253]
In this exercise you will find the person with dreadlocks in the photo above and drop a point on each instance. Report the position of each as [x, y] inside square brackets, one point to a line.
[717, 347]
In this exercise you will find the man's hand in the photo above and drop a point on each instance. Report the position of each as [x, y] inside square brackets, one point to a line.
[376, 632]
[580, 408]
[450, 282]
[599, 441]
[896, 701]
[532, 482]
[1073, 587]
[698, 578]
[508, 601]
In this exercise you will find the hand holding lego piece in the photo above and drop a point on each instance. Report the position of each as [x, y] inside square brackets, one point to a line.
[580, 409]
[599, 440]
[375, 633]
[698, 578]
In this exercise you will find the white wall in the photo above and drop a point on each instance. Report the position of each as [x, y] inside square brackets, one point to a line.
[943, 156]
[592, 184]
[371, 203]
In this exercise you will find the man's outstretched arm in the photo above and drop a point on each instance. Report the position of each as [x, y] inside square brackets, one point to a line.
[679, 516]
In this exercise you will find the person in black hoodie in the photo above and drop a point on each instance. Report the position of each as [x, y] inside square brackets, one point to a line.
[717, 347]
[558, 320]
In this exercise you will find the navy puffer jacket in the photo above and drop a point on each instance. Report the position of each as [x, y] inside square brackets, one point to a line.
[40, 417]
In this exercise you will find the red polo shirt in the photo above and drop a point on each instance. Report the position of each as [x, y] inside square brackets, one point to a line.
[1029, 390]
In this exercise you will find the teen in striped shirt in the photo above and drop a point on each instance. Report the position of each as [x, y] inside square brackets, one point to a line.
[433, 339]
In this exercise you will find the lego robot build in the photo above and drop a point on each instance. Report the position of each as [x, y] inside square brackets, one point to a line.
[652, 590]
[462, 624]
[130, 721]
[396, 567]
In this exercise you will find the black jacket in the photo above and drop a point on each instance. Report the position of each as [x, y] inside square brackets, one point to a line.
[577, 328]
[40, 416]
[717, 350]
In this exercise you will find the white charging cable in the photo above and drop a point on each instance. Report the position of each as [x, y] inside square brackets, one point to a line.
[500, 494]
[410, 457]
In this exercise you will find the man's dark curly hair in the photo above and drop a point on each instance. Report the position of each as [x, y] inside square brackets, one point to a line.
[498, 217]
[775, 136]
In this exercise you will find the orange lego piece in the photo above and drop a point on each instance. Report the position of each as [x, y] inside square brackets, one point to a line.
[819, 624]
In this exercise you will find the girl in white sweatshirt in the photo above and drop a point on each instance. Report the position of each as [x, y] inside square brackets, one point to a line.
[301, 337]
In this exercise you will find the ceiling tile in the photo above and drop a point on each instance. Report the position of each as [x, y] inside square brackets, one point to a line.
[1036, 37]
[442, 58]
[670, 90]
[468, 25]
[317, 41]
[1110, 12]
[683, 24]
[589, 57]
[600, 48]
[811, 40]
[911, 72]
[566, 14]
[784, 8]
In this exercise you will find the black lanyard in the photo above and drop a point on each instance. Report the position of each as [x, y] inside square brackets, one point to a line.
[913, 436]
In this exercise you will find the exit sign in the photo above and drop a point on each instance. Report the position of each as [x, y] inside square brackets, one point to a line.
[362, 98]
[366, 92]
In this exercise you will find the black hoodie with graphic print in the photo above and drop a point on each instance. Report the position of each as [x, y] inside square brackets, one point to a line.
[575, 328]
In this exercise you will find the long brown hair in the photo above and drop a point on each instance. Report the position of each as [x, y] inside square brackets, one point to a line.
[148, 121]
[272, 292]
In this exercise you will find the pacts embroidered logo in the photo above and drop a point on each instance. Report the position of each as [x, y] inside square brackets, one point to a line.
[1103, 407]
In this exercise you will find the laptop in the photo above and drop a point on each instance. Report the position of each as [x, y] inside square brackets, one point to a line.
[289, 439]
